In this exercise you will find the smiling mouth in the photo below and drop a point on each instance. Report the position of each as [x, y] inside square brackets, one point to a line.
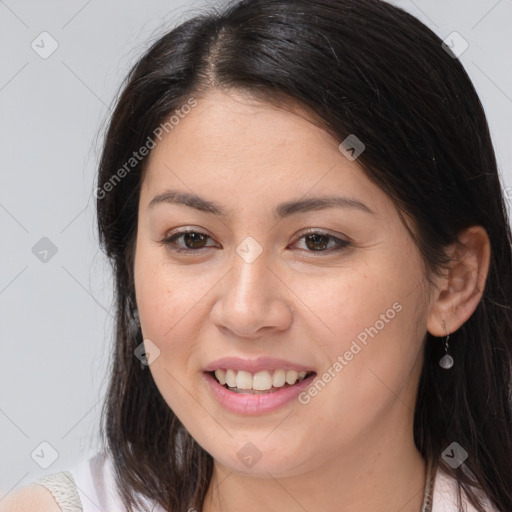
[259, 383]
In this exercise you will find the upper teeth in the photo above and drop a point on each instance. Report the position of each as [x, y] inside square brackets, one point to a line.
[260, 381]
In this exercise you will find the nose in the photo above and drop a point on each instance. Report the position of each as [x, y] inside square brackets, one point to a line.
[253, 300]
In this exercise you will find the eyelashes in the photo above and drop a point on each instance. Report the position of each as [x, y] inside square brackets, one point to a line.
[319, 240]
[170, 241]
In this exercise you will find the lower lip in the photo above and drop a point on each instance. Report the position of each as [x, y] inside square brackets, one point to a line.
[255, 404]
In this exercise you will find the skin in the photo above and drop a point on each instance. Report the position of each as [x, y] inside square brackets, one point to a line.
[351, 447]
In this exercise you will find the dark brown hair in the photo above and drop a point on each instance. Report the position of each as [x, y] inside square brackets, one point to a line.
[362, 67]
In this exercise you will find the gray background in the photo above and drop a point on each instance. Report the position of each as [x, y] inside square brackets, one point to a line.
[56, 316]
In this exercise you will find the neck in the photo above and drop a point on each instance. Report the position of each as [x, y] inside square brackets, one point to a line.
[378, 471]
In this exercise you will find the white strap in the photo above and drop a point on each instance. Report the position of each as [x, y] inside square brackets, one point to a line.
[63, 488]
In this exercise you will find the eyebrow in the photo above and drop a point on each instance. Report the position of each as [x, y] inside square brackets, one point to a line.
[281, 211]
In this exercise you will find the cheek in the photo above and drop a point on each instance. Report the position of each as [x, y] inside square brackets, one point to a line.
[168, 296]
[169, 305]
[375, 300]
[376, 321]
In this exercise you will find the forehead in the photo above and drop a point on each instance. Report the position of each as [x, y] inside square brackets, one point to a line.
[231, 147]
[231, 125]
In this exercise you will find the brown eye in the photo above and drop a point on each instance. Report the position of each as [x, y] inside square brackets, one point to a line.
[193, 241]
[317, 241]
[323, 242]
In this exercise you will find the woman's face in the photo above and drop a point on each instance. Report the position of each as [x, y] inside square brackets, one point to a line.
[337, 290]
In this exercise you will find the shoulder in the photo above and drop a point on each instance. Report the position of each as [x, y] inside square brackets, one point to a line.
[52, 493]
[30, 499]
[446, 495]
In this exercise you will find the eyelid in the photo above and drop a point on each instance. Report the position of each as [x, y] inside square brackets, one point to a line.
[175, 234]
[342, 241]
[325, 232]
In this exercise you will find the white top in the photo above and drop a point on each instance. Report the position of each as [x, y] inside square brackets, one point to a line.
[90, 487]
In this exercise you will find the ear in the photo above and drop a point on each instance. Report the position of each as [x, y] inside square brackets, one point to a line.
[459, 291]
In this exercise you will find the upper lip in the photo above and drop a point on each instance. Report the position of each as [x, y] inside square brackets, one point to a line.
[255, 365]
